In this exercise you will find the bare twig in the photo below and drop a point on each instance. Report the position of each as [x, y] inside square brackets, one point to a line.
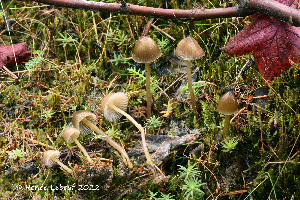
[169, 36]
[247, 7]
[196, 14]
[39, 143]
[9, 72]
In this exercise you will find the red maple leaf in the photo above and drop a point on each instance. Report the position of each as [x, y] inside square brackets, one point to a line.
[273, 43]
[12, 54]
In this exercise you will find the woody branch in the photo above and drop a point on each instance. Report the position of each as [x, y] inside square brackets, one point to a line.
[246, 8]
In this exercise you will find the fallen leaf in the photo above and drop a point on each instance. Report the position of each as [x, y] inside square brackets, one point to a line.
[273, 43]
[12, 54]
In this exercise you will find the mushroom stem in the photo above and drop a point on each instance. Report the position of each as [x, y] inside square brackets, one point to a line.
[110, 141]
[226, 126]
[148, 90]
[148, 157]
[189, 75]
[82, 149]
[61, 164]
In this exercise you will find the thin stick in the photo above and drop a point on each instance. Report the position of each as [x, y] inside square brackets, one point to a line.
[39, 143]
[266, 177]
[240, 111]
[169, 36]
[9, 72]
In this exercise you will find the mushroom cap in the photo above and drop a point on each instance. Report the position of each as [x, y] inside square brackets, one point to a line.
[119, 99]
[78, 116]
[47, 157]
[189, 49]
[145, 50]
[228, 104]
[68, 132]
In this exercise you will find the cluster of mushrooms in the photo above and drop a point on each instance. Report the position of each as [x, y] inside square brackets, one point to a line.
[114, 105]
[188, 49]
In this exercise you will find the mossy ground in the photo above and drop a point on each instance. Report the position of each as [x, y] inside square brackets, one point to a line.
[78, 56]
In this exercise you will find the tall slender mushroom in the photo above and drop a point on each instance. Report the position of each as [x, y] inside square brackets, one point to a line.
[70, 134]
[51, 157]
[113, 107]
[146, 51]
[84, 121]
[227, 105]
[188, 49]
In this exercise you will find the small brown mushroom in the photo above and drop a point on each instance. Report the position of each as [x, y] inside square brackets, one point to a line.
[146, 51]
[51, 157]
[84, 121]
[227, 106]
[81, 119]
[188, 49]
[70, 134]
[113, 107]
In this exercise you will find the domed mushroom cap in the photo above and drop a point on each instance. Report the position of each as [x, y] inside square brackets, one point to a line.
[119, 99]
[228, 104]
[189, 49]
[145, 50]
[47, 157]
[68, 132]
[78, 116]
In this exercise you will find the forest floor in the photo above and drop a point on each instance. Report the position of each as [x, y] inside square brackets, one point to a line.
[79, 56]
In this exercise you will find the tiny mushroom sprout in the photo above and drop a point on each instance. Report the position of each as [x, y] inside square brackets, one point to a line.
[188, 49]
[51, 157]
[146, 51]
[84, 121]
[228, 105]
[113, 107]
[70, 134]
